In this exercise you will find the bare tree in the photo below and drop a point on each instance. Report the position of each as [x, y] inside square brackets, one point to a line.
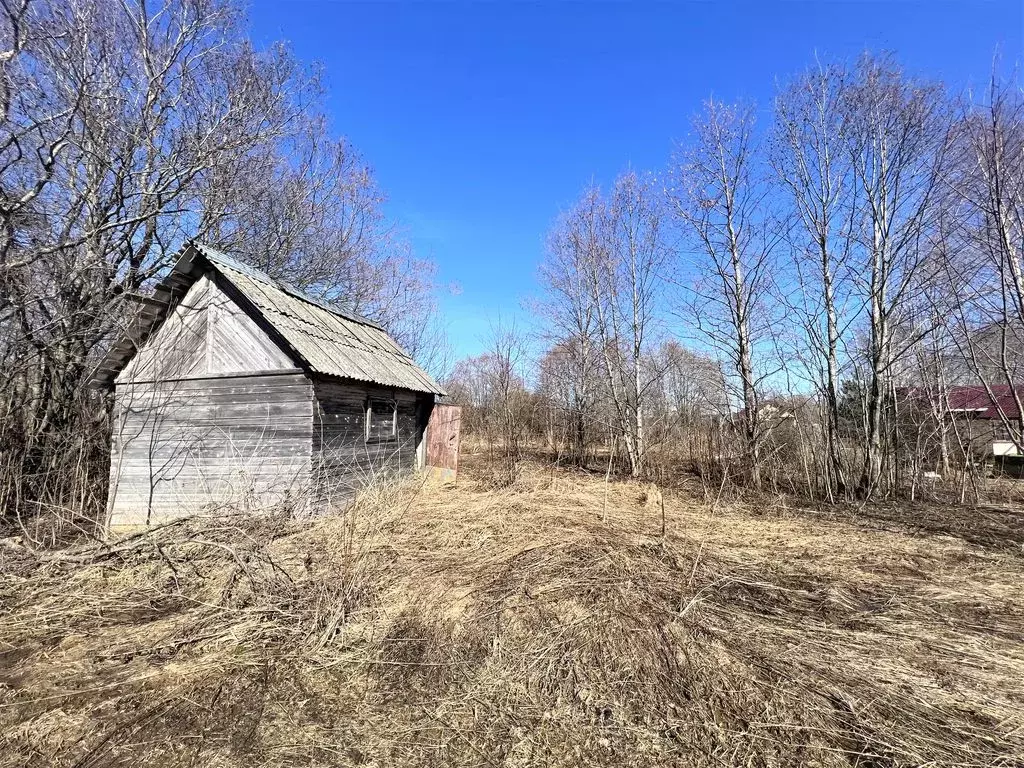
[623, 271]
[985, 265]
[510, 399]
[495, 400]
[810, 157]
[568, 380]
[721, 199]
[571, 370]
[307, 210]
[693, 386]
[686, 406]
[897, 135]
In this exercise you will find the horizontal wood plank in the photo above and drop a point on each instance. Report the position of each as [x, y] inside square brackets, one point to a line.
[203, 443]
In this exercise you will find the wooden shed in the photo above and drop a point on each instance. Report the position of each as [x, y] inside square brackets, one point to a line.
[235, 390]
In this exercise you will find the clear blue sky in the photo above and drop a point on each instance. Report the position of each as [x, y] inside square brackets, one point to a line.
[484, 120]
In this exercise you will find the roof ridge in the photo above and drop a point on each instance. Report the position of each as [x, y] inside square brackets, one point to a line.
[329, 342]
[222, 259]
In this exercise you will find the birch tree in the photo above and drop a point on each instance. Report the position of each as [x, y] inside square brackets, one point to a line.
[897, 136]
[603, 278]
[985, 265]
[623, 273]
[811, 160]
[720, 196]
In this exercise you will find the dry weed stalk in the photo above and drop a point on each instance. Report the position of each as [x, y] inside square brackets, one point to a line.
[522, 626]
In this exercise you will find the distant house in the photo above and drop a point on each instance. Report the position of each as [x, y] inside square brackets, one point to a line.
[772, 413]
[232, 388]
[981, 415]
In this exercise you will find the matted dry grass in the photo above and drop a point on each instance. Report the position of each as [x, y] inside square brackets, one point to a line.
[544, 624]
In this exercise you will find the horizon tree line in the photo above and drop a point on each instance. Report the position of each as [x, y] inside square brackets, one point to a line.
[865, 241]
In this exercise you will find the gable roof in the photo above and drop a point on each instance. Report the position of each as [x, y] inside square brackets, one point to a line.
[976, 400]
[323, 339]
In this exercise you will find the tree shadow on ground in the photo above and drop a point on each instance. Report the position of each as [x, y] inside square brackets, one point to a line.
[998, 528]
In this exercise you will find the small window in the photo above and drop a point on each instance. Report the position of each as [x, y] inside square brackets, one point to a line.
[381, 421]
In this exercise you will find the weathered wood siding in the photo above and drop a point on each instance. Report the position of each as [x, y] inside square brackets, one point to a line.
[207, 333]
[343, 459]
[178, 349]
[192, 446]
[209, 412]
[236, 343]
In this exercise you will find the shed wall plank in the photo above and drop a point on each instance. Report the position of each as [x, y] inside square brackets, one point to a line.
[178, 348]
[343, 461]
[180, 450]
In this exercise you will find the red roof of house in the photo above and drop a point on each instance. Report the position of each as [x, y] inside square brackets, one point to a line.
[978, 401]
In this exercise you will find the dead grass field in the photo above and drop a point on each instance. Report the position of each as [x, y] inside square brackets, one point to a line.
[548, 623]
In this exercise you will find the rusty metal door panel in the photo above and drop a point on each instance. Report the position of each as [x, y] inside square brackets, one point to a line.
[443, 432]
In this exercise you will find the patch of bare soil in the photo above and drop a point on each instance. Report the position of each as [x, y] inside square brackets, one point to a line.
[548, 623]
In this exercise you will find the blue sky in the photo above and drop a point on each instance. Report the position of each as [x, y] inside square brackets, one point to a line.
[483, 120]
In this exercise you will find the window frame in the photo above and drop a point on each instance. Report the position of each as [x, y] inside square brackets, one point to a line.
[368, 420]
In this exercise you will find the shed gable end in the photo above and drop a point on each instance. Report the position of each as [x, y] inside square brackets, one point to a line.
[236, 344]
[177, 349]
[207, 334]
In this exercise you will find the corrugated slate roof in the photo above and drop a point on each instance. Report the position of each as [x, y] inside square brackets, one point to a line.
[325, 339]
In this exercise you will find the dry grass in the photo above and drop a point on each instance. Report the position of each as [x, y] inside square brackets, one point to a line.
[543, 624]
